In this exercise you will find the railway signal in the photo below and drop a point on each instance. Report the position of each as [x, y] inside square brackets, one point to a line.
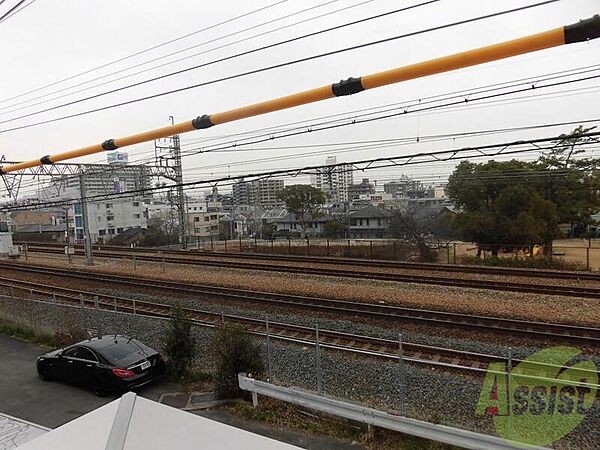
[579, 32]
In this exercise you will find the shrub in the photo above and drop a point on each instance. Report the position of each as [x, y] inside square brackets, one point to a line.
[179, 344]
[529, 263]
[235, 352]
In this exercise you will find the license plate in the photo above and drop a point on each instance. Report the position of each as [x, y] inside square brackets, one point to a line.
[145, 365]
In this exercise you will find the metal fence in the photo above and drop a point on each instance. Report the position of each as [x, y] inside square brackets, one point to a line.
[582, 254]
[391, 383]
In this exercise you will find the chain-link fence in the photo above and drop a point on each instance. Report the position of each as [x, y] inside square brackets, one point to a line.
[432, 392]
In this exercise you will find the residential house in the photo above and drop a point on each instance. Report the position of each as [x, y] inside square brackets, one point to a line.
[369, 223]
[289, 224]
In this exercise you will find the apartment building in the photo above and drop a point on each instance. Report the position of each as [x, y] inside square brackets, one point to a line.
[334, 181]
[108, 219]
[258, 193]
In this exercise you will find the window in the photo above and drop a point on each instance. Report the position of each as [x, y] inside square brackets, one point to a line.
[111, 217]
[136, 216]
[111, 231]
[196, 219]
[77, 208]
[136, 204]
[79, 222]
[360, 222]
[88, 355]
[109, 205]
[367, 222]
[379, 222]
[101, 232]
[206, 218]
[119, 230]
[71, 352]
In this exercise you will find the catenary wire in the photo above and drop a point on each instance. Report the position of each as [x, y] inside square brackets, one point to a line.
[162, 44]
[219, 60]
[262, 69]
[115, 72]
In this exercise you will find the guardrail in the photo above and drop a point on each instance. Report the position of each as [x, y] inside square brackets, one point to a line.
[358, 413]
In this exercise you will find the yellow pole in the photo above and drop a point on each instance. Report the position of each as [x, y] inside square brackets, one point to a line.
[578, 32]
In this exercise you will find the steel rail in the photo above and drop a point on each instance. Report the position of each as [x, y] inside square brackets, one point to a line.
[534, 329]
[346, 261]
[421, 354]
[578, 32]
[568, 291]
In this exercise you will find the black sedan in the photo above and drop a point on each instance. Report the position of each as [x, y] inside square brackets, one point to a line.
[107, 365]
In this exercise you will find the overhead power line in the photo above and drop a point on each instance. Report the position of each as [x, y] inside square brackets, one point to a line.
[579, 32]
[490, 150]
[7, 14]
[254, 71]
[219, 60]
[332, 118]
[385, 115]
[28, 103]
[154, 47]
[361, 145]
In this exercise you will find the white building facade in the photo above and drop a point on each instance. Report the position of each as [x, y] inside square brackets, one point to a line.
[334, 181]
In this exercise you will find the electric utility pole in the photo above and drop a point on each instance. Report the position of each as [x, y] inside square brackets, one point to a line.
[87, 238]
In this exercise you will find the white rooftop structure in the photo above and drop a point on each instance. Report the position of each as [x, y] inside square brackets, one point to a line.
[15, 432]
[135, 423]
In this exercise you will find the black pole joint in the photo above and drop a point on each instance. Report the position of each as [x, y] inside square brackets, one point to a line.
[201, 122]
[583, 30]
[46, 160]
[109, 145]
[347, 87]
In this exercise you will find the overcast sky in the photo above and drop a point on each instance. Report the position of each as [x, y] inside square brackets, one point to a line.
[54, 39]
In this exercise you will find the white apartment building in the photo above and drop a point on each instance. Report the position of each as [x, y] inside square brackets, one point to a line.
[335, 181]
[203, 225]
[109, 219]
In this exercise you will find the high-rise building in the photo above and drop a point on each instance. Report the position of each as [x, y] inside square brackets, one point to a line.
[363, 188]
[258, 193]
[334, 181]
[113, 179]
[404, 187]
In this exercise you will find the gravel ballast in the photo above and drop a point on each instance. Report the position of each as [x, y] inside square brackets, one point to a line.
[436, 396]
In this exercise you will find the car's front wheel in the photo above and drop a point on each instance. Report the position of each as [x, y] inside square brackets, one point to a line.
[43, 373]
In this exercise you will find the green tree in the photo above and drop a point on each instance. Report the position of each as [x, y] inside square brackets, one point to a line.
[179, 343]
[304, 201]
[334, 229]
[501, 205]
[571, 181]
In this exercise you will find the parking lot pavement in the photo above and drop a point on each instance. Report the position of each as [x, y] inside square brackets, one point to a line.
[51, 404]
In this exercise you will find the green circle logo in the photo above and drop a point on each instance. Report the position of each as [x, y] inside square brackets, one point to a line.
[542, 399]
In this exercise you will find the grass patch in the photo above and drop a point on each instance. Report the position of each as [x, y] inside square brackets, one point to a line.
[28, 334]
[527, 263]
[287, 416]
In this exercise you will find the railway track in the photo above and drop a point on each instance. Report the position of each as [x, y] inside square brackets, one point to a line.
[425, 355]
[378, 263]
[546, 289]
[531, 329]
